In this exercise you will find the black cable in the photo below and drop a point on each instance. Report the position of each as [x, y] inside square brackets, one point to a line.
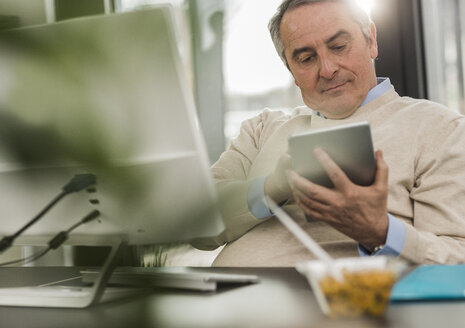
[56, 241]
[28, 259]
[35, 256]
[23, 260]
[38, 216]
[77, 183]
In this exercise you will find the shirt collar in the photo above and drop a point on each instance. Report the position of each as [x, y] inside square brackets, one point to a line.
[383, 86]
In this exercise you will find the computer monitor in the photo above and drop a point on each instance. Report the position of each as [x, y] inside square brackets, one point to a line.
[106, 95]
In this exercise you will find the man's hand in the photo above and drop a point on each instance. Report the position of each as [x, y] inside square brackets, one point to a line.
[277, 184]
[358, 212]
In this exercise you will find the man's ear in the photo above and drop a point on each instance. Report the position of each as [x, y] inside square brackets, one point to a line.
[372, 43]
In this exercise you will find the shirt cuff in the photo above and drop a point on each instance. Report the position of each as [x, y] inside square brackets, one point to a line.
[256, 199]
[394, 241]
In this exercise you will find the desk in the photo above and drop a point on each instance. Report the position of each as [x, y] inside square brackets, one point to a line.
[283, 298]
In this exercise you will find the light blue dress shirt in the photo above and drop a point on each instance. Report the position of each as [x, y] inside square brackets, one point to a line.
[396, 230]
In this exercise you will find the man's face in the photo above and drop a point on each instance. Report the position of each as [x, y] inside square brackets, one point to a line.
[329, 57]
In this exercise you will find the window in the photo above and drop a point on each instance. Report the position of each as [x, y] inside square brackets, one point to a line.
[444, 34]
[254, 75]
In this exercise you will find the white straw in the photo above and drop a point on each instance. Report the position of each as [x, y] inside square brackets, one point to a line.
[304, 238]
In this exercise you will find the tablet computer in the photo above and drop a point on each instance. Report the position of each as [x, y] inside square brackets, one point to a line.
[349, 145]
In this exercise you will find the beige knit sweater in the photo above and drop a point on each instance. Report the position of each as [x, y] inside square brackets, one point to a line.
[423, 144]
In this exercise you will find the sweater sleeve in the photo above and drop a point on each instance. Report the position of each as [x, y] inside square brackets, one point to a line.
[231, 176]
[438, 196]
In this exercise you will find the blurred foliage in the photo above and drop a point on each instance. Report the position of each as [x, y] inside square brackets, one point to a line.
[61, 120]
[152, 255]
[49, 115]
[61, 106]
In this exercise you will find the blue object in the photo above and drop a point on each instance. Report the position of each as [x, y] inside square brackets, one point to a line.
[431, 282]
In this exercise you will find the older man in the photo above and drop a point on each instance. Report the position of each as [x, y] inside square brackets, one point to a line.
[417, 211]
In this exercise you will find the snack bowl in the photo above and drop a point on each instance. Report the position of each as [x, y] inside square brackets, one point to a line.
[364, 287]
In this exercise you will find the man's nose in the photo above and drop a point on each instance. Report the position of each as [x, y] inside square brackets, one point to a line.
[328, 67]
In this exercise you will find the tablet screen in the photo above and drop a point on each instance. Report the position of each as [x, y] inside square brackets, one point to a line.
[349, 145]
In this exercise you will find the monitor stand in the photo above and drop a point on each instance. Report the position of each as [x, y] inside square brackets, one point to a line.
[70, 297]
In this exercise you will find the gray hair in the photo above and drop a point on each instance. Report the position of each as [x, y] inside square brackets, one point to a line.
[358, 14]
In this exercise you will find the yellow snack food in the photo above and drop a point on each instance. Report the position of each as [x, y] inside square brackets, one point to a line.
[360, 292]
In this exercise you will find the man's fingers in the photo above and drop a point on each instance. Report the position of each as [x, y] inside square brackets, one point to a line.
[382, 171]
[276, 183]
[317, 211]
[311, 202]
[285, 162]
[308, 188]
[335, 173]
[313, 214]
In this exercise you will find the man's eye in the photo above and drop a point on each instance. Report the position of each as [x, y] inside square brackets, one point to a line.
[339, 47]
[306, 59]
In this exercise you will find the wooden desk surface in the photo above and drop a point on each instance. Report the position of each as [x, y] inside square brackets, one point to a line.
[283, 298]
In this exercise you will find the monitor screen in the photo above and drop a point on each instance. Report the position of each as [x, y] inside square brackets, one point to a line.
[106, 95]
